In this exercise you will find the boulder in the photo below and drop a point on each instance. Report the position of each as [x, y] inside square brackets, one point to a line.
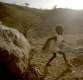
[14, 50]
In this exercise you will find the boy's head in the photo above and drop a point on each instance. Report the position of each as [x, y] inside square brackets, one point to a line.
[59, 29]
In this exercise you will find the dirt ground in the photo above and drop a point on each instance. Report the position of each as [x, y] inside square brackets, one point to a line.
[58, 69]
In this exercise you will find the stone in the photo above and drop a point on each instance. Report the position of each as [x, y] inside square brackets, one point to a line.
[14, 50]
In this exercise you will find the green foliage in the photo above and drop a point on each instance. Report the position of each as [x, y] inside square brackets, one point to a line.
[3, 11]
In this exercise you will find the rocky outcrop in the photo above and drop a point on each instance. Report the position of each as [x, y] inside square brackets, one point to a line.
[14, 50]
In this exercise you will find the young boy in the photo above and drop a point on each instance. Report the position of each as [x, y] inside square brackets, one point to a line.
[57, 45]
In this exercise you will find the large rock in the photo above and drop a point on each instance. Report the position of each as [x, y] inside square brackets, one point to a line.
[14, 50]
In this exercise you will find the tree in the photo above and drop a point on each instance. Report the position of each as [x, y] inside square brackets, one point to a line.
[26, 4]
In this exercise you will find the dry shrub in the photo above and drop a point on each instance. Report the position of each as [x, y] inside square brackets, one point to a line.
[32, 74]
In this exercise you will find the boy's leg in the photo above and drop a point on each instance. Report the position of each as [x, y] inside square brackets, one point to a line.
[64, 57]
[51, 59]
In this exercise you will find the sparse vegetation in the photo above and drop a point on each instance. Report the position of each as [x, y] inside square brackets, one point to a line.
[38, 25]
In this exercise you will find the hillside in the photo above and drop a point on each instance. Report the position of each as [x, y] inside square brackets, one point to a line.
[39, 23]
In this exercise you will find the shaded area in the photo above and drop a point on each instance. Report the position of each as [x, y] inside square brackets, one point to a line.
[5, 74]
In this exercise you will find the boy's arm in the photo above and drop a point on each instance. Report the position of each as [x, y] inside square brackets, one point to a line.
[66, 43]
[48, 42]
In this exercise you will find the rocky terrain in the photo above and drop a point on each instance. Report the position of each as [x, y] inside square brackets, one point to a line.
[58, 69]
[37, 26]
